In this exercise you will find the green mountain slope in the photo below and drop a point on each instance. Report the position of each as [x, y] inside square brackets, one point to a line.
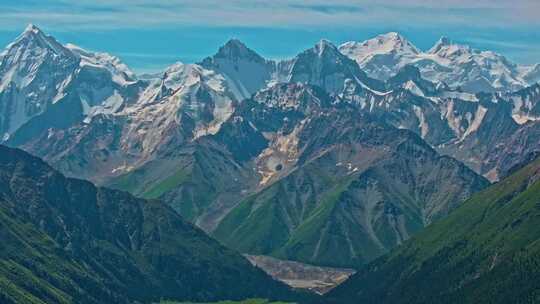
[486, 251]
[65, 241]
[294, 175]
[358, 189]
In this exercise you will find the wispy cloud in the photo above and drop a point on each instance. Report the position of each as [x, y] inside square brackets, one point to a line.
[328, 9]
[100, 14]
[188, 30]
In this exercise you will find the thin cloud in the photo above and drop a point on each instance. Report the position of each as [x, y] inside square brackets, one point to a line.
[116, 14]
[327, 9]
[424, 18]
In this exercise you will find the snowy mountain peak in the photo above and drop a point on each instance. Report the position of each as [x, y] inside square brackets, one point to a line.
[323, 48]
[382, 56]
[31, 28]
[382, 44]
[33, 32]
[32, 70]
[180, 74]
[396, 41]
[120, 72]
[235, 50]
[445, 48]
[323, 52]
[244, 70]
[33, 38]
[459, 66]
[325, 45]
[442, 42]
[325, 66]
[235, 43]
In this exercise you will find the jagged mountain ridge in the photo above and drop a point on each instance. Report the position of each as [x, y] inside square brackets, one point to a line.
[447, 62]
[221, 88]
[260, 180]
[193, 100]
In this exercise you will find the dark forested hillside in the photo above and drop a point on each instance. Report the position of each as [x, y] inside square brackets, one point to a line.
[65, 241]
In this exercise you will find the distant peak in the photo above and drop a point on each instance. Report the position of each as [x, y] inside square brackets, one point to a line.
[234, 49]
[173, 68]
[392, 35]
[325, 45]
[236, 44]
[391, 41]
[33, 36]
[31, 28]
[442, 42]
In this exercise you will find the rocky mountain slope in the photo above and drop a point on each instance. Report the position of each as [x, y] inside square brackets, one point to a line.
[474, 128]
[293, 165]
[486, 251]
[98, 121]
[66, 241]
[335, 182]
[315, 128]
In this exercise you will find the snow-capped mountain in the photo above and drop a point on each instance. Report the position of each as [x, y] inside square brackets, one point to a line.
[244, 70]
[89, 115]
[325, 66]
[458, 66]
[45, 84]
[188, 102]
[33, 73]
[474, 128]
[121, 74]
[95, 119]
[531, 74]
[382, 56]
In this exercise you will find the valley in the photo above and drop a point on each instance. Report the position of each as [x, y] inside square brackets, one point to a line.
[352, 173]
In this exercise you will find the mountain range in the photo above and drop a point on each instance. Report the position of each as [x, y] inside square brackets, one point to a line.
[458, 66]
[343, 151]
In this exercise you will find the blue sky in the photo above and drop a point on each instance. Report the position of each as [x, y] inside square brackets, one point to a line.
[151, 34]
